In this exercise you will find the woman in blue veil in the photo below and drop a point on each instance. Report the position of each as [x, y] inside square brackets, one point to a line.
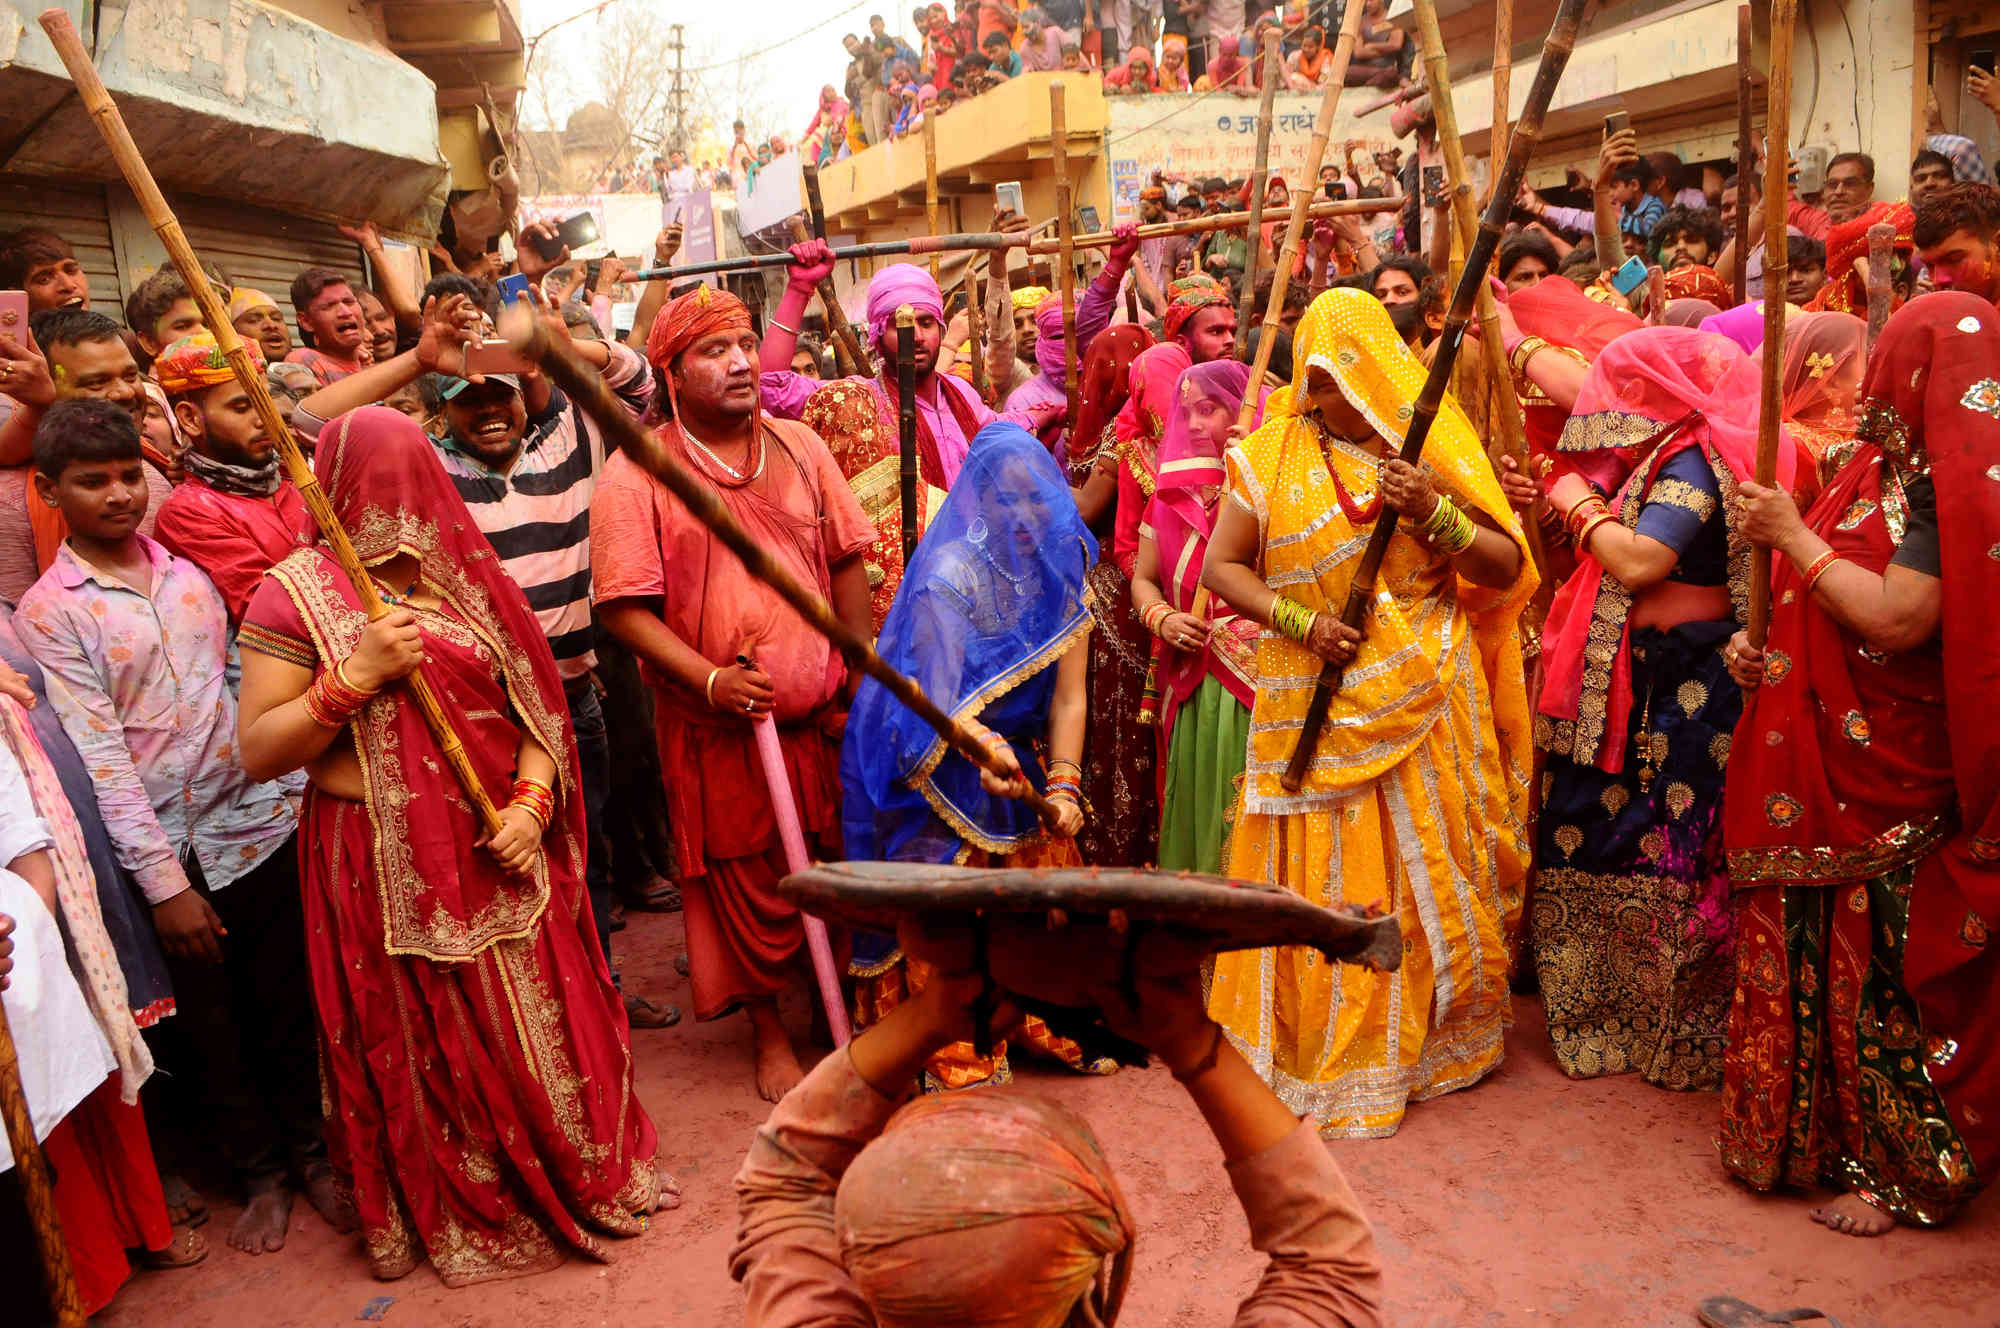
[987, 620]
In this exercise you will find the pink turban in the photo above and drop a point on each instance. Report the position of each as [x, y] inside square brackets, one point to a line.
[993, 1209]
[1049, 336]
[899, 284]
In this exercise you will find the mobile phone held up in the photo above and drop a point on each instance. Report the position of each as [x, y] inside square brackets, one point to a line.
[1629, 277]
[14, 316]
[1007, 197]
[1617, 123]
[514, 287]
[494, 357]
[572, 233]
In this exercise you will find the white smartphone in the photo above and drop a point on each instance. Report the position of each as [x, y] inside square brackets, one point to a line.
[1007, 197]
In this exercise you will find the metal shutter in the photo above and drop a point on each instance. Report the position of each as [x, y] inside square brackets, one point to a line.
[263, 249]
[79, 214]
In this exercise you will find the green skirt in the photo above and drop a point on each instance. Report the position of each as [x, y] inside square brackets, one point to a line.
[1205, 758]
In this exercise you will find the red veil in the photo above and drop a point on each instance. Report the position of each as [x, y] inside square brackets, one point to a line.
[1562, 315]
[1105, 382]
[443, 897]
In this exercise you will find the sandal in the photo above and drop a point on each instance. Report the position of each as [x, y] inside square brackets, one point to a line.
[1729, 1312]
[188, 1248]
[642, 1013]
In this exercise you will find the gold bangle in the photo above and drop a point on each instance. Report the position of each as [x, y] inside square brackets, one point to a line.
[708, 688]
[1524, 350]
[1589, 528]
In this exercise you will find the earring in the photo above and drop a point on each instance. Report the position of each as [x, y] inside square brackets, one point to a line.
[978, 530]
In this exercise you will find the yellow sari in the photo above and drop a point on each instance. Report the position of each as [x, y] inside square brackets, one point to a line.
[1417, 797]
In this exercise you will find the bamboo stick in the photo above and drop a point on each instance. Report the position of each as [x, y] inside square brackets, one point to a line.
[531, 337]
[97, 100]
[1065, 247]
[1746, 155]
[37, 1189]
[847, 346]
[1881, 240]
[906, 422]
[1295, 228]
[1555, 56]
[930, 181]
[1221, 221]
[1503, 76]
[830, 309]
[1506, 415]
[975, 334]
[1777, 162]
[914, 246]
[1260, 176]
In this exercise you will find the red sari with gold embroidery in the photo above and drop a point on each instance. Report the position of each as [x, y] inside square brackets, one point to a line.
[476, 1058]
[1861, 823]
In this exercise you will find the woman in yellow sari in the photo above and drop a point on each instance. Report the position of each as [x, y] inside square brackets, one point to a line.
[1416, 798]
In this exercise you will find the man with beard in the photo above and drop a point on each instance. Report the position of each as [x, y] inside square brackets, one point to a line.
[1687, 242]
[1849, 187]
[1399, 285]
[722, 650]
[1161, 255]
[526, 462]
[257, 318]
[236, 516]
[73, 353]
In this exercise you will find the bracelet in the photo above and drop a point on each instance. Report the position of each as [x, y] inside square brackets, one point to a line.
[782, 327]
[1292, 619]
[1071, 766]
[708, 688]
[1581, 515]
[1590, 528]
[1450, 530]
[535, 798]
[1156, 613]
[1064, 784]
[1817, 568]
[340, 676]
[1524, 350]
[1202, 1066]
[332, 701]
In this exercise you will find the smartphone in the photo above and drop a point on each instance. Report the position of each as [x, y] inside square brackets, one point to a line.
[515, 287]
[14, 315]
[1982, 59]
[578, 230]
[1334, 189]
[1086, 220]
[1617, 123]
[590, 271]
[1007, 197]
[494, 357]
[1630, 277]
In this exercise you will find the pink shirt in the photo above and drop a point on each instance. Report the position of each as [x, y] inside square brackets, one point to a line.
[1324, 1272]
[137, 679]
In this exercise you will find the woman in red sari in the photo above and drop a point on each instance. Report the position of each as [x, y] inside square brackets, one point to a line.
[1824, 356]
[1863, 812]
[476, 1055]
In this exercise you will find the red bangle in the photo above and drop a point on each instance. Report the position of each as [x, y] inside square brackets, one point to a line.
[1817, 568]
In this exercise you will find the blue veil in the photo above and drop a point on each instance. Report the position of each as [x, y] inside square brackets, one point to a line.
[993, 595]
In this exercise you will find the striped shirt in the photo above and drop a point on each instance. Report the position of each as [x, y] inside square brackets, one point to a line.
[536, 513]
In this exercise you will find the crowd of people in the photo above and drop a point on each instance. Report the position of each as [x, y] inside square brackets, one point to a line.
[1764, 866]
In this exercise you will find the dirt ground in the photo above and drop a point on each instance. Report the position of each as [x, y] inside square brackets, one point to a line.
[1530, 1199]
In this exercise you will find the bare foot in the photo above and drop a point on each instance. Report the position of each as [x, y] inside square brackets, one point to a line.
[1852, 1215]
[778, 1071]
[324, 1194]
[669, 1197]
[261, 1227]
[184, 1207]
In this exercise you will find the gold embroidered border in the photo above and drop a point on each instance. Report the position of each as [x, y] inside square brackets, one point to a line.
[1899, 845]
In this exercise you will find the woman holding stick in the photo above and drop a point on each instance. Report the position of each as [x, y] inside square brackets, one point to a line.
[1632, 928]
[476, 1052]
[1861, 821]
[991, 620]
[1417, 793]
[1824, 356]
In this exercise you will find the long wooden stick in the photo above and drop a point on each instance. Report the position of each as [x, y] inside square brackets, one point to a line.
[1220, 221]
[975, 333]
[1503, 77]
[847, 346]
[585, 387]
[1065, 247]
[97, 100]
[1506, 405]
[1295, 228]
[1260, 175]
[1746, 154]
[906, 422]
[1777, 164]
[37, 1189]
[1555, 56]
[914, 246]
[930, 181]
[1881, 242]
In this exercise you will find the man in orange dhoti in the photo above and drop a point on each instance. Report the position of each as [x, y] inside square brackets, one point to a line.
[720, 649]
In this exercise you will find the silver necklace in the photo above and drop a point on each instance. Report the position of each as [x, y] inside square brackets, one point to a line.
[728, 469]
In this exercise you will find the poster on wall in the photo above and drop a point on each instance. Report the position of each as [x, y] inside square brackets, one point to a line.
[1204, 137]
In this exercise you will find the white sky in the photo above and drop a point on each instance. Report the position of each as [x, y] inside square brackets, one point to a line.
[788, 77]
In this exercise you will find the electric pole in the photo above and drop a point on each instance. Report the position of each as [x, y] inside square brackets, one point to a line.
[677, 99]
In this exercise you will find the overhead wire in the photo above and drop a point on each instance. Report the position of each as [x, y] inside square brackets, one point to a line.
[783, 41]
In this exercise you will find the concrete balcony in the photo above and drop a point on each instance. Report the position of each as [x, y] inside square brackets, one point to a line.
[231, 99]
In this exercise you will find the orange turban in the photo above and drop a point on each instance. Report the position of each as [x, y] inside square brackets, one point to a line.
[699, 313]
[195, 362]
[1699, 282]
